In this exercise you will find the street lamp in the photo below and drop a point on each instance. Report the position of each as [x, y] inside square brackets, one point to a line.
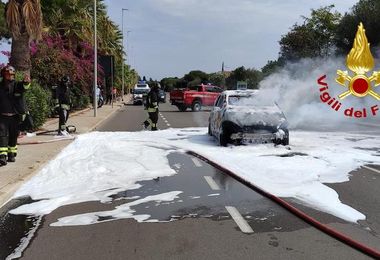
[122, 67]
[95, 103]
[127, 53]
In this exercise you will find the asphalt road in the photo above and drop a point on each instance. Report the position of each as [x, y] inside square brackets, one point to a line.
[216, 217]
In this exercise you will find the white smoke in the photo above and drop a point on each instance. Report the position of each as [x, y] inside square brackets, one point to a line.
[297, 92]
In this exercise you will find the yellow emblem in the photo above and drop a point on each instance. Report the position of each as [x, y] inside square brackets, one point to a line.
[360, 61]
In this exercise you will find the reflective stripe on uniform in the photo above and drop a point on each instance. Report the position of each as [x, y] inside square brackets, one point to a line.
[3, 150]
[152, 109]
[27, 86]
[66, 107]
[12, 149]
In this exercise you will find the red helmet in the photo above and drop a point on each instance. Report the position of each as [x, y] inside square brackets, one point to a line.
[8, 72]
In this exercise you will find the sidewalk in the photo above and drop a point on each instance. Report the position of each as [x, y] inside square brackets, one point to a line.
[34, 152]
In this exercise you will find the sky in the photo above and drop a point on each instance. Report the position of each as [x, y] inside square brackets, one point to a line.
[173, 37]
[98, 165]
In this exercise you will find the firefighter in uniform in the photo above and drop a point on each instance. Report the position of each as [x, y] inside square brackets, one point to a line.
[152, 106]
[12, 112]
[63, 103]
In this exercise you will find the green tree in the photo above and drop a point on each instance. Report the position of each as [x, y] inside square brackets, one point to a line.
[169, 83]
[251, 76]
[272, 67]
[365, 11]
[216, 78]
[24, 21]
[4, 32]
[314, 38]
[196, 77]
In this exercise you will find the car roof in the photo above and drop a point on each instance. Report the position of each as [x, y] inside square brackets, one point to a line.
[245, 92]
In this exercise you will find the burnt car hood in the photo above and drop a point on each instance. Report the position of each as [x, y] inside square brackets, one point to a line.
[261, 117]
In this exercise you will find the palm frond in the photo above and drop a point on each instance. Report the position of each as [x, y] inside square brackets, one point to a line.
[13, 17]
[31, 10]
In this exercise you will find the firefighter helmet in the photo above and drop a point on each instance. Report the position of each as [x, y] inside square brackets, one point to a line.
[8, 72]
[65, 79]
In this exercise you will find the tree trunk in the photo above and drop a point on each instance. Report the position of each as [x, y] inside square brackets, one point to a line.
[20, 53]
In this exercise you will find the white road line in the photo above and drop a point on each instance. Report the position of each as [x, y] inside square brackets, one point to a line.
[212, 183]
[371, 169]
[196, 162]
[240, 221]
[168, 125]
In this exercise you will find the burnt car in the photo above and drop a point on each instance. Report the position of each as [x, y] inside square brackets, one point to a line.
[240, 116]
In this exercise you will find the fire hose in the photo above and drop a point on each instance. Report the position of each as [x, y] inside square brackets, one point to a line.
[70, 129]
[300, 214]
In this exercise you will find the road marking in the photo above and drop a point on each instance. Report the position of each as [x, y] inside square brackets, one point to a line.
[196, 162]
[371, 169]
[212, 183]
[240, 221]
[168, 125]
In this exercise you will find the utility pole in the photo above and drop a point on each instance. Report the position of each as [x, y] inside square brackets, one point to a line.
[95, 103]
[122, 67]
[126, 56]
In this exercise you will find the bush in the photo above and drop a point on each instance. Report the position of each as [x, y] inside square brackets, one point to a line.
[37, 102]
[79, 99]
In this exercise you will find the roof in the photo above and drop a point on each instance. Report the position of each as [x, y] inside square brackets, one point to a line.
[241, 92]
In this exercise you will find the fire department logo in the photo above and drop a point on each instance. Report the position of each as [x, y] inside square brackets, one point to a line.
[359, 61]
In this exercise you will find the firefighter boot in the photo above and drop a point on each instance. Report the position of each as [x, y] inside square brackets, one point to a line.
[3, 160]
[146, 124]
[11, 157]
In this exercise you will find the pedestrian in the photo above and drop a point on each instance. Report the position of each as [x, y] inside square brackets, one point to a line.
[152, 106]
[12, 112]
[99, 96]
[108, 95]
[114, 92]
[63, 104]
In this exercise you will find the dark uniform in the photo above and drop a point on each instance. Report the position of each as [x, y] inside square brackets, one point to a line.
[12, 112]
[152, 107]
[63, 103]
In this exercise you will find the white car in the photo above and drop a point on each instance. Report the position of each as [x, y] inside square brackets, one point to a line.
[238, 116]
[138, 93]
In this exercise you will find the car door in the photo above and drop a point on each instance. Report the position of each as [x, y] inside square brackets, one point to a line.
[216, 115]
[209, 96]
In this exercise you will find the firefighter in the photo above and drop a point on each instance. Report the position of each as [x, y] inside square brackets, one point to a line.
[63, 103]
[151, 105]
[12, 112]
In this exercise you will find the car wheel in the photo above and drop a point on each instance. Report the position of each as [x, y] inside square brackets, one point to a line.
[223, 139]
[285, 141]
[196, 106]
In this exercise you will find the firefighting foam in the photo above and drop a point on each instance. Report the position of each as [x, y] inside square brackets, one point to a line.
[98, 165]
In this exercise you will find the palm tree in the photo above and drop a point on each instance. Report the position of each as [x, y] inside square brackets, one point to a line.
[24, 21]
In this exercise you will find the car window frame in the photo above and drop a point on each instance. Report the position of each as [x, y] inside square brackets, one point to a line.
[220, 101]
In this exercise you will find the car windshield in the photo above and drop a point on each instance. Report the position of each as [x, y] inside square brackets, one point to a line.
[142, 85]
[247, 100]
